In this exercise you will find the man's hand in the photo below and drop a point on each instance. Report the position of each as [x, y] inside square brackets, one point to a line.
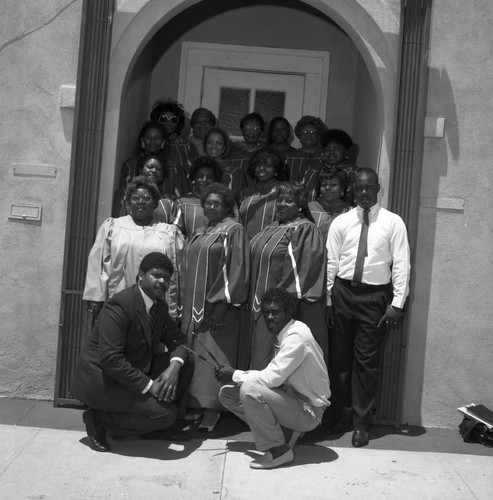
[329, 316]
[224, 374]
[391, 316]
[164, 387]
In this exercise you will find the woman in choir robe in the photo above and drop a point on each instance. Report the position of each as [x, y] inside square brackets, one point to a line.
[179, 152]
[121, 243]
[288, 254]
[258, 208]
[216, 271]
[217, 146]
[279, 137]
[304, 164]
[152, 167]
[330, 199]
[252, 127]
[149, 140]
[201, 121]
[336, 144]
[190, 213]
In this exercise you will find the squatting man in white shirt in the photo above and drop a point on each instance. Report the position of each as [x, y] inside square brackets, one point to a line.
[286, 398]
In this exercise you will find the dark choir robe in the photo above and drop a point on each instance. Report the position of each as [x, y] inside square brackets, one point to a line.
[323, 215]
[258, 210]
[290, 256]
[190, 214]
[232, 178]
[215, 270]
[180, 154]
[240, 157]
[303, 166]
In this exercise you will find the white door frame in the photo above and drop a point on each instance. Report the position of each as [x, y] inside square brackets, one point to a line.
[312, 64]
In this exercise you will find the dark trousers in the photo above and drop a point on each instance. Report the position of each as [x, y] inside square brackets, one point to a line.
[144, 413]
[354, 355]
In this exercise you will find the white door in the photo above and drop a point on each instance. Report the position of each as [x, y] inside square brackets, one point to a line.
[233, 80]
[231, 94]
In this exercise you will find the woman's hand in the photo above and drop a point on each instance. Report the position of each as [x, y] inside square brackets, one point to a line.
[214, 322]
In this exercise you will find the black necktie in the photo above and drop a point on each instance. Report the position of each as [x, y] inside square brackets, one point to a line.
[362, 247]
[153, 315]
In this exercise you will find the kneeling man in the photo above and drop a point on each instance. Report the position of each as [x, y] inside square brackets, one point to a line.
[286, 398]
[129, 384]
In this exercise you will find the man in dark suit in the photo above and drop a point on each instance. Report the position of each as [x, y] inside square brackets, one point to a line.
[129, 384]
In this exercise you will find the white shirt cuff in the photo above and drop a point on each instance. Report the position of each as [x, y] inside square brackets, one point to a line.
[147, 387]
[176, 358]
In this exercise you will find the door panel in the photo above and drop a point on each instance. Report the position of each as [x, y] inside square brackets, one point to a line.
[231, 94]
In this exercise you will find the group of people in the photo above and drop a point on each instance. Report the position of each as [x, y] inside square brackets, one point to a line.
[254, 271]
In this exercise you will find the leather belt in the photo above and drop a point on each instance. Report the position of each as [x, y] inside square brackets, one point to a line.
[355, 284]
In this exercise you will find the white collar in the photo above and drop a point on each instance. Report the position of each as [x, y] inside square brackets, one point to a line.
[147, 300]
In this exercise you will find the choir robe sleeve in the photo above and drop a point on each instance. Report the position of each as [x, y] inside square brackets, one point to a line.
[99, 264]
[232, 282]
[304, 266]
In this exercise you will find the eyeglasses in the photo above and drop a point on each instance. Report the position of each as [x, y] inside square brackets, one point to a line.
[136, 198]
[253, 128]
[213, 204]
[308, 132]
[166, 118]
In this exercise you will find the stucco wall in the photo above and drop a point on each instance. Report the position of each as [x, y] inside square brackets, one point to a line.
[38, 54]
[451, 343]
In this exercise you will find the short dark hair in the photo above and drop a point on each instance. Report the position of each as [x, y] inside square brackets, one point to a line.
[257, 158]
[156, 260]
[337, 136]
[310, 120]
[281, 297]
[224, 192]
[205, 112]
[141, 182]
[332, 174]
[224, 135]
[300, 193]
[367, 171]
[206, 162]
[161, 107]
[253, 116]
[152, 156]
[273, 123]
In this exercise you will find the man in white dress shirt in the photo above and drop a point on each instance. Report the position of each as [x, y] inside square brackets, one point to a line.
[286, 398]
[368, 269]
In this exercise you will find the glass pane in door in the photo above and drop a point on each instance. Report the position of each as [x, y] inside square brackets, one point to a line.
[269, 104]
[233, 106]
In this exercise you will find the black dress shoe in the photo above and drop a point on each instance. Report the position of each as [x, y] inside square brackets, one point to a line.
[360, 438]
[95, 431]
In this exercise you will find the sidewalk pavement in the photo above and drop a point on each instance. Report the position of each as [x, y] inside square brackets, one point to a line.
[45, 455]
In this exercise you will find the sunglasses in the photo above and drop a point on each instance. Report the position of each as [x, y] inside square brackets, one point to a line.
[166, 118]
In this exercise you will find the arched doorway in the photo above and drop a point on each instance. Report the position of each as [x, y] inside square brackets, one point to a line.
[144, 39]
[145, 65]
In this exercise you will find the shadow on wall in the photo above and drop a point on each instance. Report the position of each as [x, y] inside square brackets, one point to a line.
[441, 103]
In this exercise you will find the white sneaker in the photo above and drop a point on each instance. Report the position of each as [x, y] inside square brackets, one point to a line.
[266, 461]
